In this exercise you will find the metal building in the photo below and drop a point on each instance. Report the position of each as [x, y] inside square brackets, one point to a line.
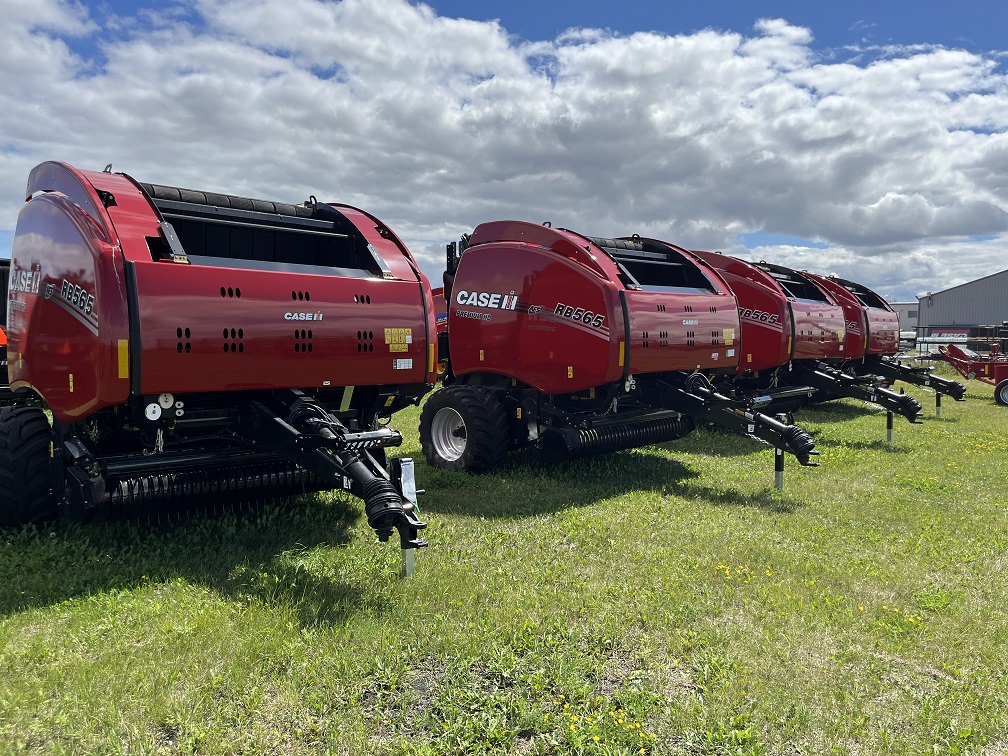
[907, 312]
[965, 311]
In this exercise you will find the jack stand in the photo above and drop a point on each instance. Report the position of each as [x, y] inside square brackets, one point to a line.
[937, 405]
[403, 469]
[779, 460]
[888, 425]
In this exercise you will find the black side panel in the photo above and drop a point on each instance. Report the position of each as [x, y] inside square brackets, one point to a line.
[626, 335]
[135, 347]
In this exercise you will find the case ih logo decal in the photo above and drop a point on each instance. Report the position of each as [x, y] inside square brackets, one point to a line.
[579, 314]
[25, 281]
[494, 300]
[302, 316]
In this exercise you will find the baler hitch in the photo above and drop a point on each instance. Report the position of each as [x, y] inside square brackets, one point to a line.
[921, 376]
[318, 441]
[699, 398]
[831, 380]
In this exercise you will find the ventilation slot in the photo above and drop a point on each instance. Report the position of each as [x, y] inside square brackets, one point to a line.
[300, 296]
[661, 308]
[688, 308]
[644, 335]
[715, 337]
[233, 340]
[303, 341]
[230, 292]
[365, 341]
[690, 338]
[184, 345]
[362, 298]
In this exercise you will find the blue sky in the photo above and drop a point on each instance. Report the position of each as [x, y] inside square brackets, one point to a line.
[864, 139]
[975, 26]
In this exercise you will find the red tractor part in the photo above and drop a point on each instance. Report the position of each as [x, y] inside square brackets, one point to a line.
[568, 345]
[873, 338]
[202, 346]
[795, 339]
[992, 369]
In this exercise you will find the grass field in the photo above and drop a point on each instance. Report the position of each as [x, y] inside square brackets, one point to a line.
[658, 601]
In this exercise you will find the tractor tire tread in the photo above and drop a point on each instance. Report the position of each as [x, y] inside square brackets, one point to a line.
[1001, 393]
[487, 428]
[25, 497]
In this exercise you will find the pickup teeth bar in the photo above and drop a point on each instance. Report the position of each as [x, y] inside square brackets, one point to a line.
[160, 493]
[567, 443]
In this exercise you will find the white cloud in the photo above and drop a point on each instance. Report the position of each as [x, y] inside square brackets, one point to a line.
[436, 124]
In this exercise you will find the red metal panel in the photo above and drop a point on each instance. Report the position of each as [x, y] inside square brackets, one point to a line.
[68, 327]
[820, 330]
[855, 318]
[517, 319]
[766, 331]
[275, 329]
[682, 332]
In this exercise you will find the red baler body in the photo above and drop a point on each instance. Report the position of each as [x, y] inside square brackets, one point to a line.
[195, 346]
[778, 325]
[546, 307]
[872, 325]
[81, 270]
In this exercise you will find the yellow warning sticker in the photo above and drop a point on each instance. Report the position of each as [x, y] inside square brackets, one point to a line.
[729, 336]
[398, 338]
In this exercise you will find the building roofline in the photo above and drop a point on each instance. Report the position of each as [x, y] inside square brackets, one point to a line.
[959, 286]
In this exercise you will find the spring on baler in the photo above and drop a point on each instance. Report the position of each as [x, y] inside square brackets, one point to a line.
[567, 443]
[159, 493]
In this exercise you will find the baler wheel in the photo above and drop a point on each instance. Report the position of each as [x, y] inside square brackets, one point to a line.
[464, 428]
[24, 466]
[1001, 393]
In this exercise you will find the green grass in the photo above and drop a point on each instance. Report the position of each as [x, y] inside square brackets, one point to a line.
[667, 599]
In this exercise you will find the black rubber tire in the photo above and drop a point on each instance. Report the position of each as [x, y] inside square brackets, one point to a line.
[464, 428]
[24, 466]
[1001, 393]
